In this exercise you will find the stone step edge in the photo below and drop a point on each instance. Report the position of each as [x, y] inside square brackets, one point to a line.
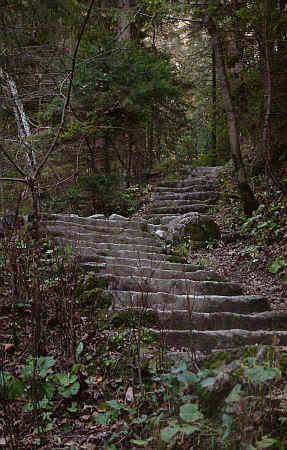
[206, 340]
[199, 303]
[179, 319]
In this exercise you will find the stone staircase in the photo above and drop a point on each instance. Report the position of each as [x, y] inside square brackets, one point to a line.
[194, 308]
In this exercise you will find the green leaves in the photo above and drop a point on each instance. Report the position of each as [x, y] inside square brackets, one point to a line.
[235, 394]
[260, 374]
[277, 265]
[69, 384]
[37, 366]
[190, 413]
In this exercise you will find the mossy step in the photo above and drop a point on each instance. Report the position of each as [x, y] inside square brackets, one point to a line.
[206, 341]
[242, 304]
[173, 286]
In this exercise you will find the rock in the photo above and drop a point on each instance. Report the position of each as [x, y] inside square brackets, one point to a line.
[117, 217]
[160, 233]
[198, 227]
[97, 216]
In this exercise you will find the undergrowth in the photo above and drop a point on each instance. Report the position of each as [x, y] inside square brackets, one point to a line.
[73, 374]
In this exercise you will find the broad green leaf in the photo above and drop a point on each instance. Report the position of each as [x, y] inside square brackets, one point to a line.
[141, 442]
[208, 382]
[260, 374]
[187, 377]
[266, 442]
[234, 395]
[190, 413]
[74, 407]
[15, 388]
[102, 418]
[227, 421]
[49, 389]
[79, 350]
[43, 365]
[189, 429]
[179, 368]
[70, 390]
[65, 379]
[113, 404]
[168, 433]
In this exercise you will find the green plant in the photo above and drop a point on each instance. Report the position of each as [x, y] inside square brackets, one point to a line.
[251, 251]
[278, 264]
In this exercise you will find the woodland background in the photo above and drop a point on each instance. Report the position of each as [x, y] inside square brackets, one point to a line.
[95, 96]
[98, 100]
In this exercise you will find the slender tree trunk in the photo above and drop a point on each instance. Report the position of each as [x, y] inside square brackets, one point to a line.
[214, 101]
[248, 200]
[123, 20]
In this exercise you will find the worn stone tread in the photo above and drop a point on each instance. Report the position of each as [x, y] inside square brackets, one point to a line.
[155, 273]
[242, 304]
[207, 340]
[182, 319]
[174, 286]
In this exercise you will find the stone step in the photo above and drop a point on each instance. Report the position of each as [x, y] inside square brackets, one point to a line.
[98, 223]
[105, 229]
[109, 246]
[149, 264]
[161, 219]
[154, 272]
[183, 320]
[186, 187]
[96, 237]
[90, 252]
[173, 286]
[208, 171]
[194, 196]
[181, 209]
[179, 203]
[184, 182]
[205, 341]
[242, 304]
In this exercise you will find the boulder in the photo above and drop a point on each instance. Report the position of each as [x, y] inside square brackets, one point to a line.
[198, 227]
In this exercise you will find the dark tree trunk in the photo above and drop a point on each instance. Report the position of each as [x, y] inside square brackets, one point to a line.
[248, 200]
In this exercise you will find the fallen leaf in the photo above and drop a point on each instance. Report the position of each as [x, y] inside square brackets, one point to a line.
[130, 395]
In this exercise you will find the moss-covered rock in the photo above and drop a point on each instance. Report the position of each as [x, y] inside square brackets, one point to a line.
[198, 227]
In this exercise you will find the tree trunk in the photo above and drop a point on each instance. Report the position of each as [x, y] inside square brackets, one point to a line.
[123, 20]
[248, 200]
[214, 102]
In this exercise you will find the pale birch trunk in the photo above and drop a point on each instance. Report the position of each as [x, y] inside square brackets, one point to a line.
[24, 133]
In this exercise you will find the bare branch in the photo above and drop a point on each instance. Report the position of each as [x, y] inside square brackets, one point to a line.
[41, 165]
[18, 168]
[19, 180]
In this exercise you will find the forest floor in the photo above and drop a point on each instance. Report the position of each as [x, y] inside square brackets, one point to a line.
[245, 262]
